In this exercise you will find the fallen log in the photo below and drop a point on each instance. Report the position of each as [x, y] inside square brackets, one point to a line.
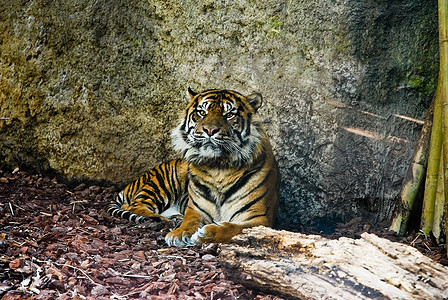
[300, 266]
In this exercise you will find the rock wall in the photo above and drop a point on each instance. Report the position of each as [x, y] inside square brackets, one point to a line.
[91, 89]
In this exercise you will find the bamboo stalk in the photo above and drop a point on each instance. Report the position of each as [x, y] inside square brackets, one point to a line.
[433, 164]
[443, 77]
[439, 207]
[414, 177]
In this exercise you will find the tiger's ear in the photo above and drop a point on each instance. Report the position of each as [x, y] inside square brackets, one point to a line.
[255, 100]
[191, 93]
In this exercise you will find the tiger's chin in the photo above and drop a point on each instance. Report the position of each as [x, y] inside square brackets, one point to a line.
[210, 151]
[212, 157]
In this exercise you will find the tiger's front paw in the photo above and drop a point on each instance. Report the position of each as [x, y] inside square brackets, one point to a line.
[213, 233]
[179, 238]
[204, 235]
[217, 233]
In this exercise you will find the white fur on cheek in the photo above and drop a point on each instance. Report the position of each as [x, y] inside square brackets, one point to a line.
[178, 142]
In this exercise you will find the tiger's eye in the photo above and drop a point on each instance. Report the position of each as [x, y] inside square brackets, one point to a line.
[230, 116]
[202, 113]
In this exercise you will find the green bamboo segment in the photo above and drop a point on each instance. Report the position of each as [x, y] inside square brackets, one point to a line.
[445, 222]
[439, 207]
[433, 165]
[414, 178]
[443, 80]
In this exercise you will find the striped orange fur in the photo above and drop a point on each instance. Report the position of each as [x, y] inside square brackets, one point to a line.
[226, 180]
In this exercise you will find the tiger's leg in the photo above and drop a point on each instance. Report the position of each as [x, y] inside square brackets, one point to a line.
[119, 207]
[158, 194]
[182, 235]
[145, 209]
[225, 231]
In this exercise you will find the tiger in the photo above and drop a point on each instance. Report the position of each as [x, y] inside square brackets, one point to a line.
[226, 179]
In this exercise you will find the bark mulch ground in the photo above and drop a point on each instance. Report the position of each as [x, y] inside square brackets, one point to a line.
[58, 242]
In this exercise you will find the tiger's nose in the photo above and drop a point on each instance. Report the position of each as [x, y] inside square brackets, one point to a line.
[210, 130]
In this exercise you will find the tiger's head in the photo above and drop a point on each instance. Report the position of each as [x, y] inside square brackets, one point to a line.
[219, 128]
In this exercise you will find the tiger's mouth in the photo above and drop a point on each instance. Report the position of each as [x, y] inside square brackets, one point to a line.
[220, 147]
[202, 141]
[211, 144]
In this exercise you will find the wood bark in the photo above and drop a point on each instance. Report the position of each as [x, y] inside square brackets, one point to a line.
[298, 266]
